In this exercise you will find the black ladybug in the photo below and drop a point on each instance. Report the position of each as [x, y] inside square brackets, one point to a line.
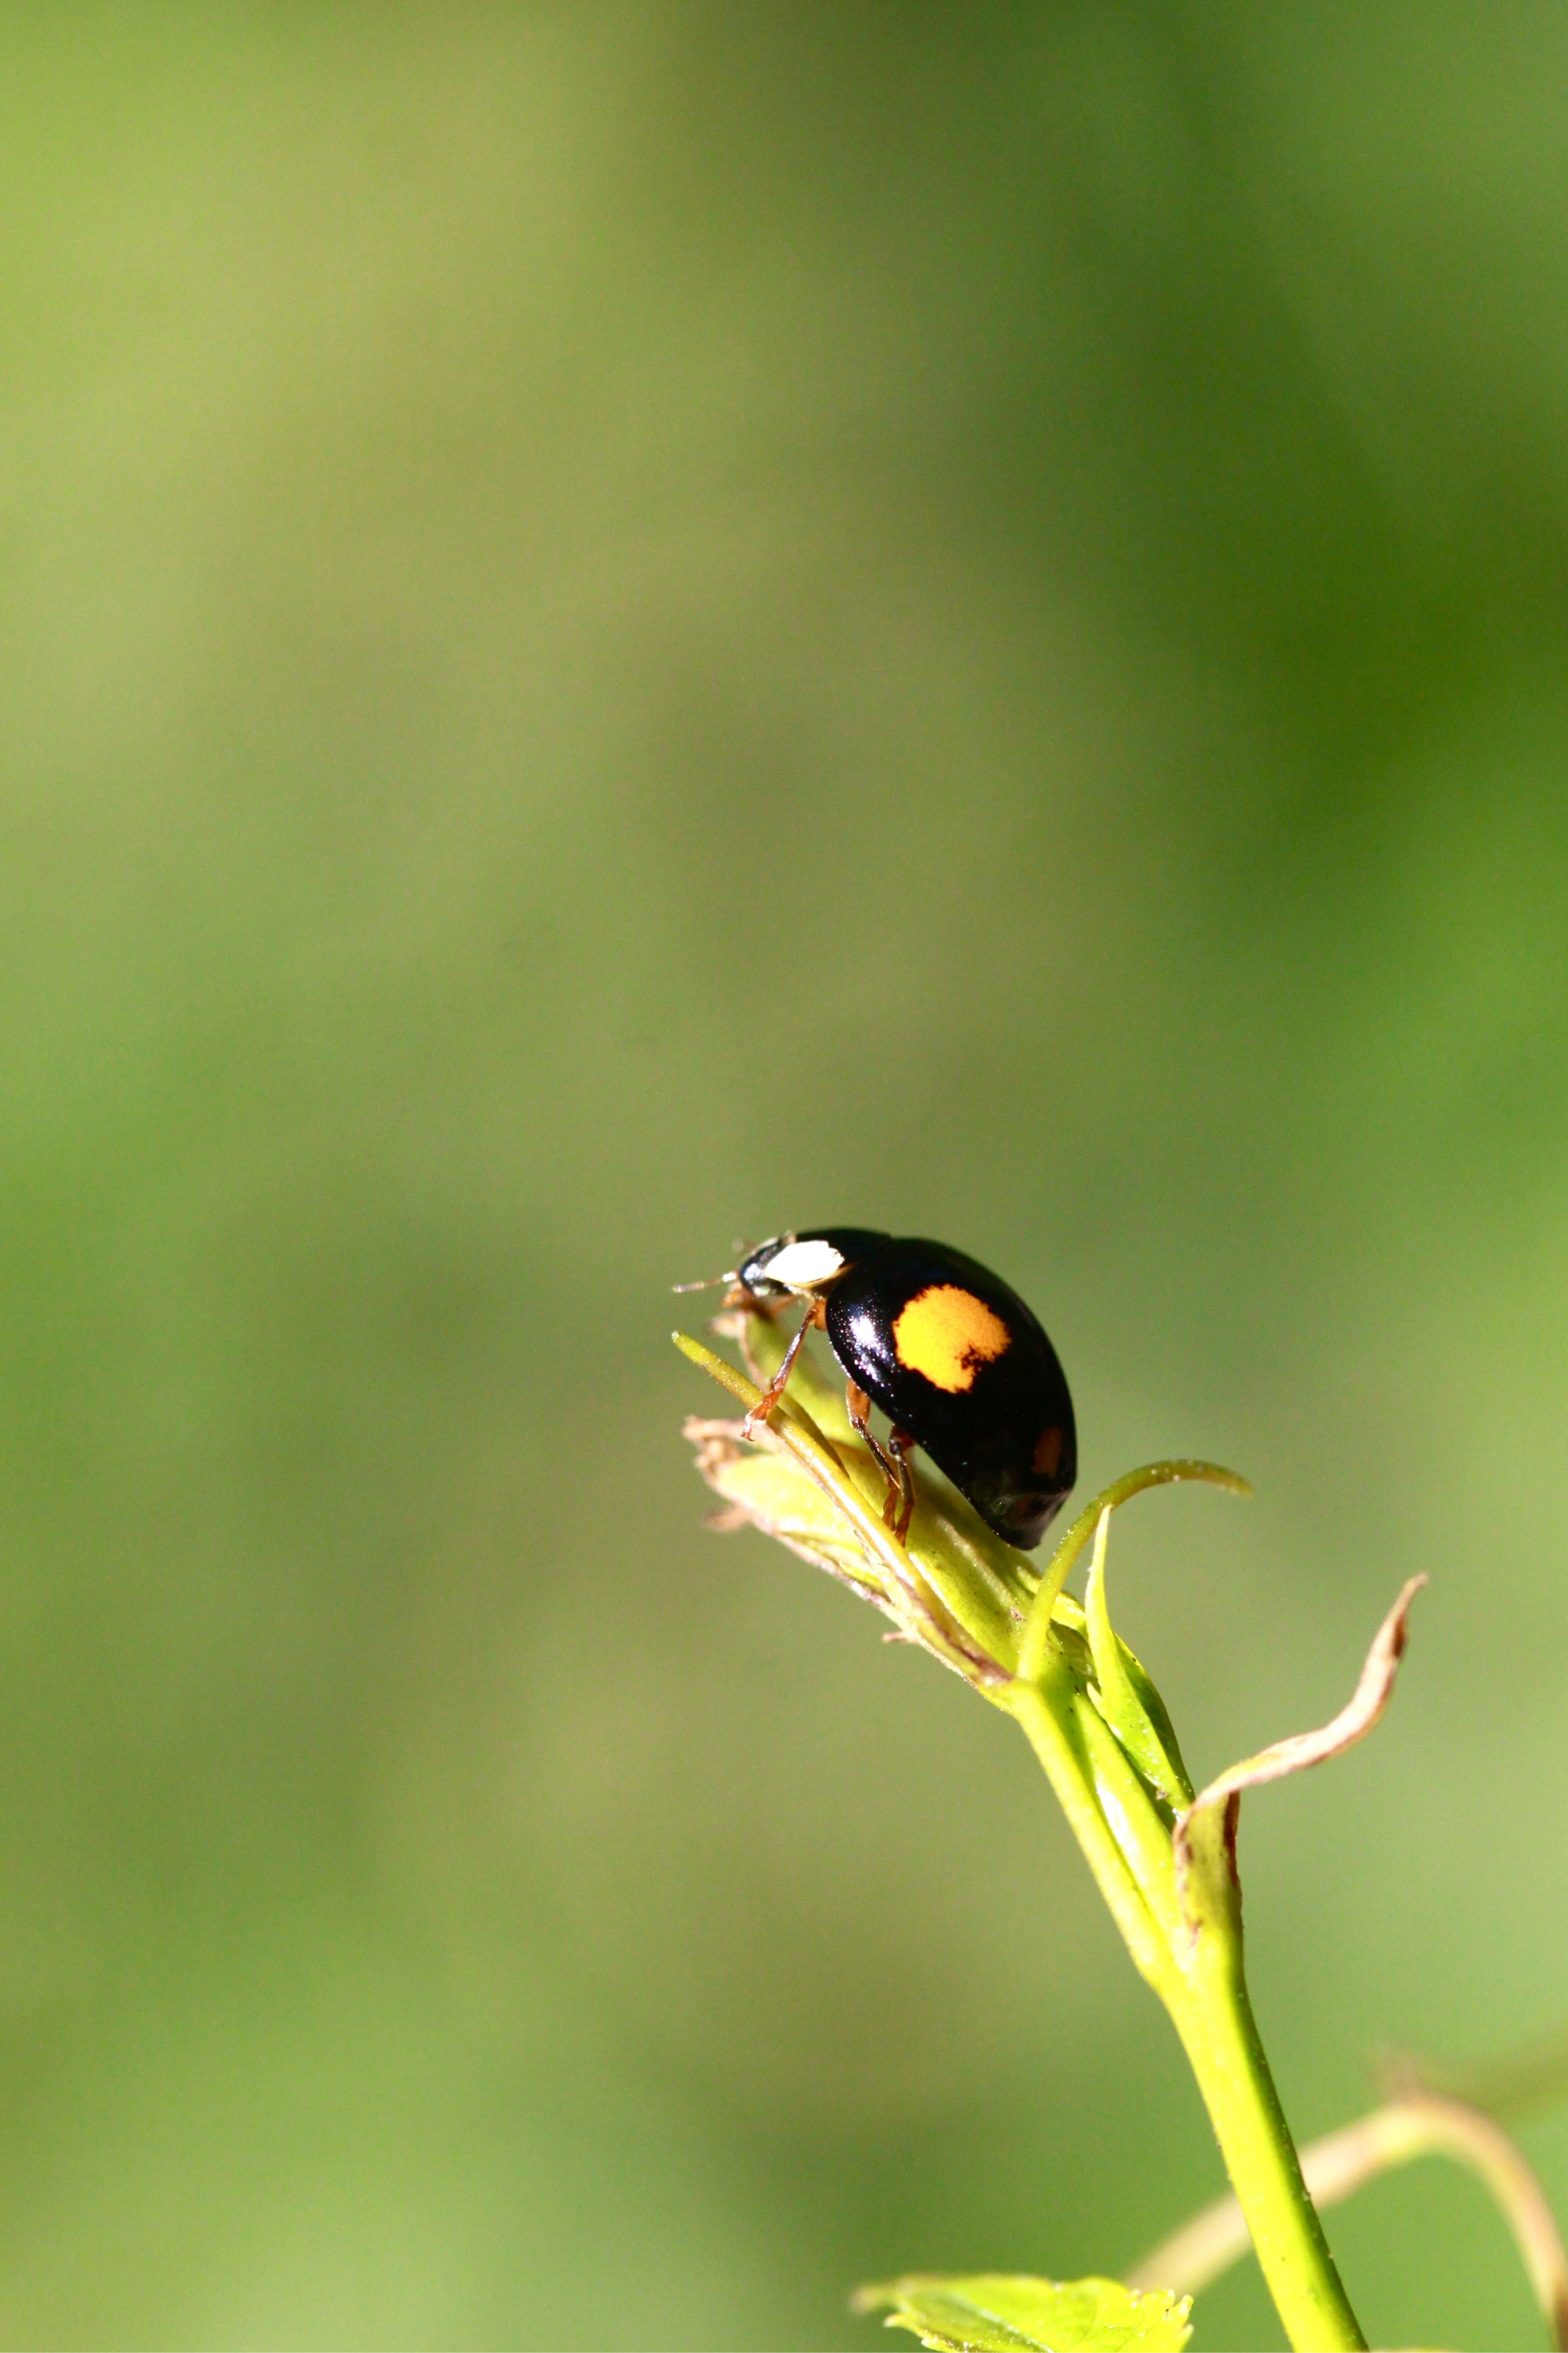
[951, 1353]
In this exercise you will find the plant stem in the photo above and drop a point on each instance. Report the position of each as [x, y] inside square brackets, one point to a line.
[1196, 1966]
[1044, 1711]
[1417, 2124]
[1214, 2018]
[1163, 1859]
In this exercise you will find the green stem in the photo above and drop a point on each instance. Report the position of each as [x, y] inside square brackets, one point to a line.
[1219, 2034]
[1415, 2124]
[1105, 1757]
[1045, 1713]
[1194, 1965]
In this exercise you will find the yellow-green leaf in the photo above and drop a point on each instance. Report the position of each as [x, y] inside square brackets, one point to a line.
[996, 2312]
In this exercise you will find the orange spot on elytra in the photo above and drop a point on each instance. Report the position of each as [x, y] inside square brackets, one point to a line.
[1048, 1454]
[947, 1334]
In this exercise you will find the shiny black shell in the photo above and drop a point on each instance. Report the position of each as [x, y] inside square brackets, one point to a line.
[955, 1359]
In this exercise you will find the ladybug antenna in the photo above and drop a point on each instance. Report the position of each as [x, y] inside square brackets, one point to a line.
[707, 1284]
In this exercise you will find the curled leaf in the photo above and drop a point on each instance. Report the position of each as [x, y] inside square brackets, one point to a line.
[1354, 1721]
[1037, 1633]
[993, 2312]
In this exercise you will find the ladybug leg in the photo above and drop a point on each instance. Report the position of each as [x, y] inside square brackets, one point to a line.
[899, 1499]
[859, 1408]
[899, 1445]
[770, 1397]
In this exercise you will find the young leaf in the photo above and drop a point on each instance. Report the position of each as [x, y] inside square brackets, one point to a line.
[762, 1488]
[941, 1587]
[992, 2312]
[1120, 1701]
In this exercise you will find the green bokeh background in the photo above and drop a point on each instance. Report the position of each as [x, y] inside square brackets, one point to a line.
[629, 626]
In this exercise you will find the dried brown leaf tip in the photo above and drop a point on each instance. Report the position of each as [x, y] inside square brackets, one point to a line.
[1360, 1712]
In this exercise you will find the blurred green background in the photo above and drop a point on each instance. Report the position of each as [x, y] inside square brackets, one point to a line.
[628, 625]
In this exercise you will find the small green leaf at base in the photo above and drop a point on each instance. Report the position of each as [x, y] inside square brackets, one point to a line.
[993, 2312]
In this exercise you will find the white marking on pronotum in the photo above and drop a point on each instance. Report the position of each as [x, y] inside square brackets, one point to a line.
[802, 1266]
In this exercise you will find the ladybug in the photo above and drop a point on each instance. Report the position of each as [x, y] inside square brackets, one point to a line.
[951, 1353]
